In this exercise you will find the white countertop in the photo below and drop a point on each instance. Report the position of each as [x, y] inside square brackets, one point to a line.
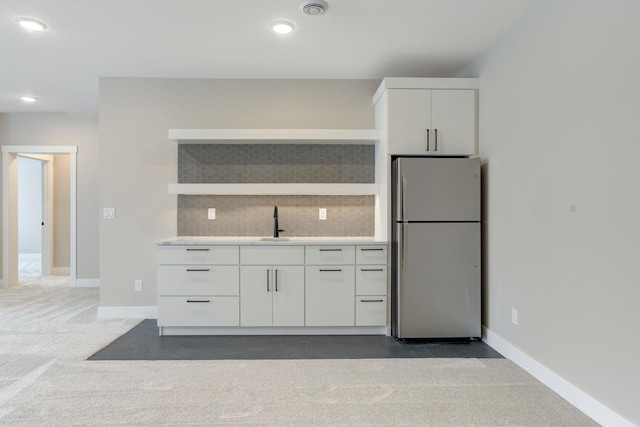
[257, 240]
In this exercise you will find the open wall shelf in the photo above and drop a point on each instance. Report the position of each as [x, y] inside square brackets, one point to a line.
[274, 136]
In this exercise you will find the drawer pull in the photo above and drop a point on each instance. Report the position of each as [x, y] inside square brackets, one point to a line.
[371, 249]
[198, 300]
[371, 269]
[325, 269]
[371, 300]
[197, 249]
[330, 250]
[268, 274]
[197, 269]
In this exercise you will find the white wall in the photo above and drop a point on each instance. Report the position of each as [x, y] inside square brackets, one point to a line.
[560, 132]
[29, 206]
[137, 160]
[65, 129]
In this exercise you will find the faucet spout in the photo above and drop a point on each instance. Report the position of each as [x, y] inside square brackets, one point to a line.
[276, 229]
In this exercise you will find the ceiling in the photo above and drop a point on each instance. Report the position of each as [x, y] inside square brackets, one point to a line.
[354, 39]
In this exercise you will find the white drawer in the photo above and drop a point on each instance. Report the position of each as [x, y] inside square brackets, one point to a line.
[371, 254]
[193, 254]
[272, 255]
[198, 280]
[198, 311]
[371, 311]
[327, 255]
[371, 280]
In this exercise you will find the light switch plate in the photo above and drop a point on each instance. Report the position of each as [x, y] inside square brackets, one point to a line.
[211, 213]
[109, 213]
[137, 284]
[322, 215]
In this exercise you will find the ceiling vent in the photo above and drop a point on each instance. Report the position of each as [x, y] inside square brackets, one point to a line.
[314, 7]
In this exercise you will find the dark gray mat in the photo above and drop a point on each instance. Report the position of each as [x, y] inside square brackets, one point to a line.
[143, 343]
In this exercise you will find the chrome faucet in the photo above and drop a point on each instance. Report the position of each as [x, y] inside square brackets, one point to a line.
[276, 230]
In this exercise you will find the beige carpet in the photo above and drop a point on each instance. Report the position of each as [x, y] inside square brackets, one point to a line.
[47, 330]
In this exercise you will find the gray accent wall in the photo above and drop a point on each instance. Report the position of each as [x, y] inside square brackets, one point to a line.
[298, 215]
[276, 163]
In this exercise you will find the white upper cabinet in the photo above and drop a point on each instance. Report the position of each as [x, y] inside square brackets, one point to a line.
[415, 119]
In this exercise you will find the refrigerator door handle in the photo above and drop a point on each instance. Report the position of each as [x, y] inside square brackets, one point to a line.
[403, 188]
[405, 240]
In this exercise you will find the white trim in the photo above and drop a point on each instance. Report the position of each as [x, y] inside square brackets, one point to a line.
[87, 283]
[40, 149]
[275, 189]
[61, 271]
[578, 398]
[10, 272]
[301, 330]
[139, 312]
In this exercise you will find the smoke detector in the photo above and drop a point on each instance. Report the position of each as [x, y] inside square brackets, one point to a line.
[314, 7]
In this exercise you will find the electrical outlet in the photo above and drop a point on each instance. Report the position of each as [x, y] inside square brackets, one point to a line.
[514, 316]
[137, 284]
[322, 215]
[211, 213]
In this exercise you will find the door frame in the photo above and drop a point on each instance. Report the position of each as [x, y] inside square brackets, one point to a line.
[10, 206]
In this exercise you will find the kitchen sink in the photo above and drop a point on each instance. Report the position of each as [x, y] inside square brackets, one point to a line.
[274, 239]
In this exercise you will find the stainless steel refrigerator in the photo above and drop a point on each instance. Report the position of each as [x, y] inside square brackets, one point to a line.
[435, 290]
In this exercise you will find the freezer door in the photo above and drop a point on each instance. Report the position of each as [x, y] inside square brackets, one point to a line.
[437, 280]
[436, 189]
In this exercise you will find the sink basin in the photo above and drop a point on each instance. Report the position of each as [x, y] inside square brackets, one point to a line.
[274, 239]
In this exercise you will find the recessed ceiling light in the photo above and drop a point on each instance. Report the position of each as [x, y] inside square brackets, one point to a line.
[282, 27]
[31, 24]
[28, 99]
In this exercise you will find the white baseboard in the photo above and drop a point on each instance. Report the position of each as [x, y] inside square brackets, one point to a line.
[578, 398]
[140, 312]
[60, 271]
[87, 283]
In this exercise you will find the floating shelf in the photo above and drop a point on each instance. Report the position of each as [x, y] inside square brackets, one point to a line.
[274, 136]
[241, 189]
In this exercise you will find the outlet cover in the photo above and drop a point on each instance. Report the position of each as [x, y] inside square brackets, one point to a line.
[514, 316]
[138, 285]
[322, 214]
[211, 213]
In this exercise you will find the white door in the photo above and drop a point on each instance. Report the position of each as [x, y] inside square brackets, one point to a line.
[288, 295]
[409, 121]
[256, 295]
[330, 293]
[453, 120]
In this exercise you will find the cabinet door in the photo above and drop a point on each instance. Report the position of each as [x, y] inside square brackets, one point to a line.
[288, 296]
[409, 120]
[453, 122]
[329, 295]
[256, 294]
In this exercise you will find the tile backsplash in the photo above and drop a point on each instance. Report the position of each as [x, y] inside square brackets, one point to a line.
[276, 163]
[298, 215]
[308, 163]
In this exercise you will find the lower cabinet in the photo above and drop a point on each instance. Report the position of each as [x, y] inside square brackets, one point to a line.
[272, 295]
[329, 296]
[198, 311]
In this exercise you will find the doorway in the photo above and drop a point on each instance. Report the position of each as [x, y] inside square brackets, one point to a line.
[10, 208]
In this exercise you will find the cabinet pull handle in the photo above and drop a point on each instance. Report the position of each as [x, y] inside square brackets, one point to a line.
[371, 269]
[436, 144]
[197, 249]
[371, 300]
[330, 250]
[268, 274]
[371, 249]
[276, 274]
[324, 269]
[427, 140]
[197, 269]
[198, 300]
